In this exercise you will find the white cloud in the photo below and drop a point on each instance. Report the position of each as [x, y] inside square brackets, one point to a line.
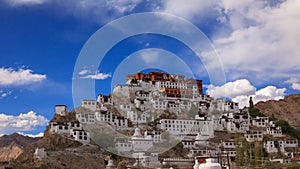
[99, 11]
[4, 94]
[83, 72]
[22, 122]
[123, 6]
[264, 94]
[149, 56]
[32, 135]
[271, 92]
[231, 89]
[25, 2]
[9, 76]
[263, 40]
[253, 37]
[292, 80]
[241, 90]
[296, 86]
[191, 9]
[97, 76]
[294, 83]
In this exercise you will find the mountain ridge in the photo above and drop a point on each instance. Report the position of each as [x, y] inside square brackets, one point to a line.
[11, 146]
[287, 109]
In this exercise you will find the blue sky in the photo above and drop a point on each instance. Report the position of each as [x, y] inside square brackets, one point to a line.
[256, 41]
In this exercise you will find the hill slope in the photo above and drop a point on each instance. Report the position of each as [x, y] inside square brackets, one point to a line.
[11, 146]
[287, 109]
[62, 151]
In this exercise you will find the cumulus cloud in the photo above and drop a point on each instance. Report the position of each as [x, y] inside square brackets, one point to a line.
[241, 90]
[231, 89]
[22, 122]
[263, 39]
[97, 76]
[294, 83]
[253, 36]
[264, 94]
[9, 76]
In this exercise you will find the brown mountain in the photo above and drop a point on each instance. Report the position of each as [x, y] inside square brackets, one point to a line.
[11, 146]
[62, 151]
[287, 109]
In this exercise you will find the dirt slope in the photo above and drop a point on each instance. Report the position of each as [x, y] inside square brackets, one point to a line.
[286, 109]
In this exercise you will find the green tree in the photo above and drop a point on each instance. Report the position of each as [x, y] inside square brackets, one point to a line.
[272, 118]
[251, 103]
[287, 129]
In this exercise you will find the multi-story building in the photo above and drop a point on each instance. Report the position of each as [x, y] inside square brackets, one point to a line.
[105, 100]
[287, 144]
[159, 103]
[89, 104]
[147, 161]
[260, 121]
[110, 118]
[230, 144]
[273, 146]
[222, 105]
[137, 117]
[234, 122]
[184, 127]
[80, 135]
[85, 116]
[270, 146]
[123, 144]
[61, 110]
[64, 127]
[274, 131]
[136, 143]
[254, 135]
[173, 85]
[154, 134]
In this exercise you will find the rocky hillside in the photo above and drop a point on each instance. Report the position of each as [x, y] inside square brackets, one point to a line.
[11, 146]
[287, 109]
[62, 152]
